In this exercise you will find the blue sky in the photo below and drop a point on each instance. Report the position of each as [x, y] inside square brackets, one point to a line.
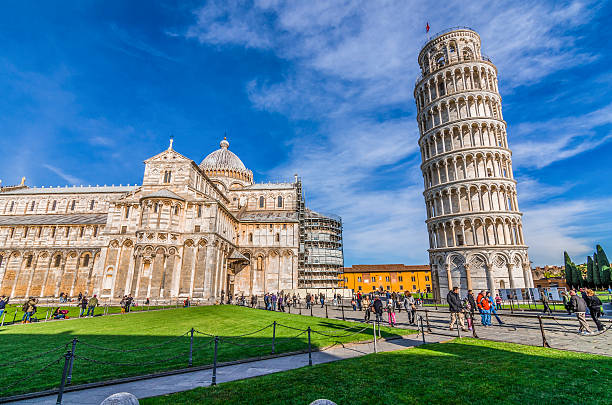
[323, 89]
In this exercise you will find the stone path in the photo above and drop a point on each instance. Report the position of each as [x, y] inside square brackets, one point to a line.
[522, 328]
[187, 381]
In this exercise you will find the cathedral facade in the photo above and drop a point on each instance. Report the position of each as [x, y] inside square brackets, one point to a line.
[188, 230]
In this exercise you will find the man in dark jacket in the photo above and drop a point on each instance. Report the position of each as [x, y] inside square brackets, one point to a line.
[578, 306]
[456, 310]
[378, 308]
[594, 304]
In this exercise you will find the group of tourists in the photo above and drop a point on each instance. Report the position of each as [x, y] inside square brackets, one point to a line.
[372, 303]
[579, 304]
[126, 303]
[460, 309]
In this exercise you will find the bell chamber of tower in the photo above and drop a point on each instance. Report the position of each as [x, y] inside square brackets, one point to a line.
[473, 220]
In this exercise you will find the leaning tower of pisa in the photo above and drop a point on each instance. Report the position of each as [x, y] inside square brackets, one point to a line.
[473, 220]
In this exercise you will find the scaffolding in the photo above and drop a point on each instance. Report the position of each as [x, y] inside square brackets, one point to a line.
[320, 255]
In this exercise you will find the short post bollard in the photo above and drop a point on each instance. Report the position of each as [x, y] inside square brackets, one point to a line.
[14, 316]
[544, 341]
[427, 320]
[311, 309]
[289, 308]
[474, 335]
[3, 315]
[342, 306]
[214, 375]
[46, 316]
[191, 347]
[374, 331]
[60, 394]
[422, 329]
[300, 308]
[74, 343]
[309, 348]
[326, 311]
[458, 328]
[273, 336]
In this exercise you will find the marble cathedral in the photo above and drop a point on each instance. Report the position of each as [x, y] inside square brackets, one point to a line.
[188, 230]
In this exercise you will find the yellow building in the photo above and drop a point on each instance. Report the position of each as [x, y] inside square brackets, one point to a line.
[387, 277]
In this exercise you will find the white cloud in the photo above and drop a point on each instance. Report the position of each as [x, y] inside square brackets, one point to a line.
[556, 226]
[531, 189]
[543, 143]
[66, 176]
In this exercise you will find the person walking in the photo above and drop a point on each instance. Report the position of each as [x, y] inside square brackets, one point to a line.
[308, 301]
[579, 307]
[29, 308]
[498, 302]
[594, 304]
[456, 311]
[281, 308]
[471, 308]
[410, 306]
[3, 301]
[545, 301]
[566, 299]
[83, 305]
[479, 299]
[123, 304]
[93, 303]
[493, 308]
[485, 308]
[378, 309]
[391, 312]
[322, 299]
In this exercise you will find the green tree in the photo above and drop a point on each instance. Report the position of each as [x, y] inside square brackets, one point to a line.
[604, 267]
[589, 275]
[576, 276]
[568, 269]
[596, 273]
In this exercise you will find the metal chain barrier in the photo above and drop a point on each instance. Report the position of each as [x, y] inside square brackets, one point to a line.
[136, 349]
[79, 357]
[36, 356]
[31, 375]
[340, 336]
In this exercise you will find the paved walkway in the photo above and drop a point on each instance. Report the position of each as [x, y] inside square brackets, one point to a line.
[190, 380]
[521, 327]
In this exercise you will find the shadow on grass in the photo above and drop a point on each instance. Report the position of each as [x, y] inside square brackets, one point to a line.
[100, 357]
[467, 371]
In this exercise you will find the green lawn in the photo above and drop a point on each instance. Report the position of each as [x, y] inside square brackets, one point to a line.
[159, 328]
[463, 371]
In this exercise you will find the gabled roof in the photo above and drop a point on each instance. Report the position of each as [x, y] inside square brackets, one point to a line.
[56, 219]
[163, 193]
[168, 153]
[236, 255]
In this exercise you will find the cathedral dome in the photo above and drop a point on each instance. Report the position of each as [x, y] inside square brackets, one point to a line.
[223, 158]
[225, 163]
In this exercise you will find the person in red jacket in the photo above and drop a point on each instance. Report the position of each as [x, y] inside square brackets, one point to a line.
[485, 306]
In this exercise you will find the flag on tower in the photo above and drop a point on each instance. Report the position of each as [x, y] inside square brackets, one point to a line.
[427, 27]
